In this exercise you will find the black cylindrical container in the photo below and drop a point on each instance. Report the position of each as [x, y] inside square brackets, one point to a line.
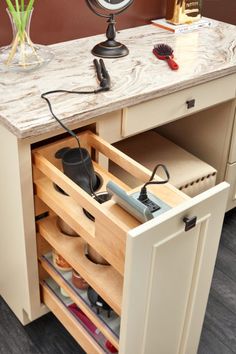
[77, 165]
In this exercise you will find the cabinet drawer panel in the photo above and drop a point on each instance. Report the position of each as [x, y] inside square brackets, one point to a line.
[162, 110]
[69, 322]
[230, 177]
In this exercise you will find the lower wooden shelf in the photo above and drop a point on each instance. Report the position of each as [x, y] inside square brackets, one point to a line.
[70, 322]
[109, 326]
[105, 280]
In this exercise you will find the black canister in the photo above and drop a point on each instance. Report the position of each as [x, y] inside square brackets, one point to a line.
[77, 165]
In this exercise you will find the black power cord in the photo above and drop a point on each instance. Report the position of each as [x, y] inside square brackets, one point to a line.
[104, 85]
[143, 196]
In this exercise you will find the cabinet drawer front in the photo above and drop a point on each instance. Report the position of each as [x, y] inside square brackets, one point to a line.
[162, 110]
[174, 277]
[69, 322]
[230, 177]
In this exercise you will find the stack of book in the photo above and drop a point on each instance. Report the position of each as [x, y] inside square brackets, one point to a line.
[162, 23]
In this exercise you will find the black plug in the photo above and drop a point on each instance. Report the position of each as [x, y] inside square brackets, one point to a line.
[143, 195]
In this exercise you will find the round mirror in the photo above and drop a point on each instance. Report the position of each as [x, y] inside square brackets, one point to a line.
[112, 5]
[109, 48]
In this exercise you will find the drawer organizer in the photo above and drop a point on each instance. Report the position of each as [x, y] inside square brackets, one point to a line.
[107, 233]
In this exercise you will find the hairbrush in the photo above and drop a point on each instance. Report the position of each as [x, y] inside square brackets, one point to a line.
[165, 52]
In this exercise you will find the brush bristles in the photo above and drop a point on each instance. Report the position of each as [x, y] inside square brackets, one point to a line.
[163, 49]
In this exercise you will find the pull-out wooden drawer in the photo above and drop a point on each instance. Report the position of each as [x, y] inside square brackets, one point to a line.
[159, 272]
[156, 112]
[111, 222]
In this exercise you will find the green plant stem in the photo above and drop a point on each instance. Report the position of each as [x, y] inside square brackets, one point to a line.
[13, 50]
[32, 47]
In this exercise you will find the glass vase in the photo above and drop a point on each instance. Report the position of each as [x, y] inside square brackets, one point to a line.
[22, 54]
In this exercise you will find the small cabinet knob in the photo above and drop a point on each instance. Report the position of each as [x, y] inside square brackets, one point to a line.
[190, 103]
[189, 222]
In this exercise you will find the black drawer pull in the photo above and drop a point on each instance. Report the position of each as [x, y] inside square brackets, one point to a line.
[190, 103]
[189, 223]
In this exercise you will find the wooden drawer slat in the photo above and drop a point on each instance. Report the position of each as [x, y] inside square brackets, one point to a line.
[69, 322]
[80, 303]
[100, 277]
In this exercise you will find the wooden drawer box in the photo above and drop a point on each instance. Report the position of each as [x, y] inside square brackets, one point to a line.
[108, 216]
[140, 284]
[156, 112]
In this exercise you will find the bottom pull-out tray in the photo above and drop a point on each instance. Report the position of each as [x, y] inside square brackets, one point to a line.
[89, 341]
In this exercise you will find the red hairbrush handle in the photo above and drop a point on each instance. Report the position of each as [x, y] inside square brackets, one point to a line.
[172, 64]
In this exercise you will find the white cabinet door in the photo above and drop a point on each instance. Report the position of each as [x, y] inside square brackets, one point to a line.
[168, 274]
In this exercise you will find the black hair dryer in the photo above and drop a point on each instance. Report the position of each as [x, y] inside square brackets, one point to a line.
[77, 165]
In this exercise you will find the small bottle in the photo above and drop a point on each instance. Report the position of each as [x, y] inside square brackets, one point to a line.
[78, 281]
[59, 262]
[183, 11]
[63, 292]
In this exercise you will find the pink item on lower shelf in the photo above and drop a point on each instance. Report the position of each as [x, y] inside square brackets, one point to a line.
[97, 335]
[111, 347]
[86, 321]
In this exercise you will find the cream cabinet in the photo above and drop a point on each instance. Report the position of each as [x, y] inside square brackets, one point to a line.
[159, 275]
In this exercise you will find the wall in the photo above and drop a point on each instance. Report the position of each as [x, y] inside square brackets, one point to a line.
[222, 10]
[60, 20]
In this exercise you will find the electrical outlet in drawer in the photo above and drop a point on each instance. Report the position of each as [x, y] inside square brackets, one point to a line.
[172, 106]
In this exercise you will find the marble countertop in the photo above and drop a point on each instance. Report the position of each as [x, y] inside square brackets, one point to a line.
[202, 55]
